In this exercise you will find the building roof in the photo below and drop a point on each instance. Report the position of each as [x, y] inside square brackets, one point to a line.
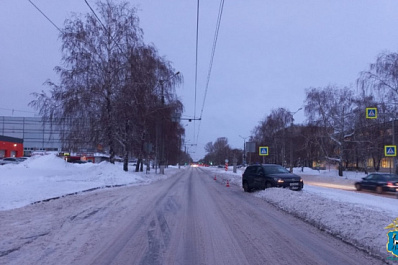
[11, 139]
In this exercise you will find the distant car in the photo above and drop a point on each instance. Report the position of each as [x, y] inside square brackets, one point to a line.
[270, 175]
[77, 161]
[22, 158]
[133, 163]
[378, 182]
[9, 160]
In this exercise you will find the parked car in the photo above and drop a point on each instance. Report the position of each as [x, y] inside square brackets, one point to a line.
[270, 175]
[77, 161]
[379, 182]
[9, 160]
[22, 158]
[133, 163]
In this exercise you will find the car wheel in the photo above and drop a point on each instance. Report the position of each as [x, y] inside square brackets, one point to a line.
[264, 186]
[379, 189]
[245, 187]
[358, 186]
[268, 185]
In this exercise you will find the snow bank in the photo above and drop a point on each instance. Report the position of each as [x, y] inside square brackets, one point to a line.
[44, 177]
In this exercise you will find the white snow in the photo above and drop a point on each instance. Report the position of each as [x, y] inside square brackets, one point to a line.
[45, 177]
[327, 201]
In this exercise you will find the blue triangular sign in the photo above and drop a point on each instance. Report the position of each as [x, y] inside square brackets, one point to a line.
[390, 151]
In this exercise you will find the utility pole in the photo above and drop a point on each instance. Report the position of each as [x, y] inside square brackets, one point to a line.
[161, 162]
[394, 159]
[162, 130]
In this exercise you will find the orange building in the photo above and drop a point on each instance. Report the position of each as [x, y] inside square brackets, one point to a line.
[10, 147]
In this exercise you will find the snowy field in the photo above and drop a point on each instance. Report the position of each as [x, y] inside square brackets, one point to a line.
[355, 217]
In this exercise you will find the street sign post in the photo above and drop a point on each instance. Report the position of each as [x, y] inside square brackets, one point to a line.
[390, 151]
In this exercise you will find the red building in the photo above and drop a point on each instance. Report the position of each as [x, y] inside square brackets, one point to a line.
[10, 147]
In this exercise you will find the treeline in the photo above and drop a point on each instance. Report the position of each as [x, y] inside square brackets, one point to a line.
[336, 130]
[116, 93]
[219, 151]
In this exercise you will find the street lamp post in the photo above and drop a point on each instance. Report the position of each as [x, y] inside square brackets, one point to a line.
[244, 149]
[291, 139]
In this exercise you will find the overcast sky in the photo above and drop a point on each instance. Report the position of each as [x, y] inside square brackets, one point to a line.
[268, 52]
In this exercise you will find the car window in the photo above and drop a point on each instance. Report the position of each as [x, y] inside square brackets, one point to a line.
[390, 176]
[259, 171]
[251, 170]
[275, 169]
[254, 170]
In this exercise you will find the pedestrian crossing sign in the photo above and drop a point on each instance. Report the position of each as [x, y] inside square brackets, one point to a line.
[390, 150]
[263, 150]
[371, 113]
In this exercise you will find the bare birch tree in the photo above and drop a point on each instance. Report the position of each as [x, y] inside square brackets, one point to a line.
[109, 91]
[331, 108]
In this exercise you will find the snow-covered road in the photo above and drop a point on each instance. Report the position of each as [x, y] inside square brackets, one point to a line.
[356, 217]
[186, 219]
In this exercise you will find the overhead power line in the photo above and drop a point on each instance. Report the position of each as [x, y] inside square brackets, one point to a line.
[212, 53]
[220, 12]
[99, 20]
[17, 110]
[106, 30]
[46, 16]
[196, 65]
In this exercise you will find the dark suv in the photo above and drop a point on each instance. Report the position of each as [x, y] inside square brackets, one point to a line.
[270, 175]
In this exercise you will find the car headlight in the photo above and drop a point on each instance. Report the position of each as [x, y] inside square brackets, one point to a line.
[301, 180]
[278, 180]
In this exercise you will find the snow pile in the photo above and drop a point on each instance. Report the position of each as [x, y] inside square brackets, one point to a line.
[45, 177]
[352, 222]
[50, 161]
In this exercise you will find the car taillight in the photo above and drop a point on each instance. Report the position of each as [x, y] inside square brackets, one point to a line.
[390, 184]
